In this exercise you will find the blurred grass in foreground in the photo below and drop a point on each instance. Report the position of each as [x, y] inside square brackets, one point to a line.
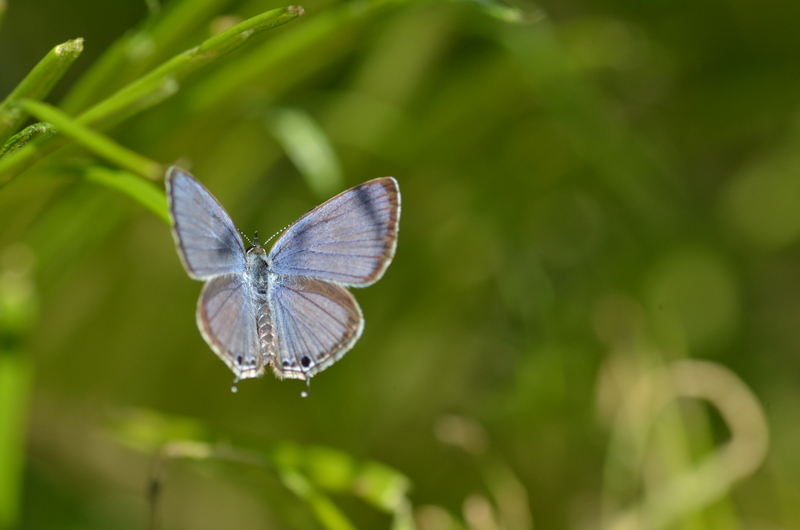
[591, 321]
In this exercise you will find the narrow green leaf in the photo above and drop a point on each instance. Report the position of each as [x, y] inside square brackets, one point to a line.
[18, 314]
[222, 84]
[19, 140]
[308, 147]
[309, 471]
[94, 141]
[37, 84]
[145, 193]
[124, 103]
[503, 12]
[137, 51]
[23, 157]
[152, 88]
[16, 381]
[327, 513]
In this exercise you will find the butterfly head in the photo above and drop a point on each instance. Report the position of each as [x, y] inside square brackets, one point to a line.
[257, 250]
[256, 247]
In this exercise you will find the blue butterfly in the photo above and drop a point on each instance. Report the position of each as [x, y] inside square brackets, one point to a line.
[287, 308]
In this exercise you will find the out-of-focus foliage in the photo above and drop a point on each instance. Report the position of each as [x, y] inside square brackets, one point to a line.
[593, 317]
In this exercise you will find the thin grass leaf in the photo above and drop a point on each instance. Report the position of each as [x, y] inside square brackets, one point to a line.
[37, 84]
[27, 155]
[16, 383]
[222, 84]
[138, 50]
[309, 149]
[305, 470]
[326, 512]
[153, 87]
[94, 141]
[19, 140]
[141, 191]
[503, 12]
[120, 105]
[18, 313]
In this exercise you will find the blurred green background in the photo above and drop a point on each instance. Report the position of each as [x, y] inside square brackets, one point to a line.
[591, 321]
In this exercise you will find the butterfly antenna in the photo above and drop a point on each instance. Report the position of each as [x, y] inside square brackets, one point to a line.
[246, 238]
[279, 232]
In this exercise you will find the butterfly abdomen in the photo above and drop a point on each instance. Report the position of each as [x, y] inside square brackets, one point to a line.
[266, 333]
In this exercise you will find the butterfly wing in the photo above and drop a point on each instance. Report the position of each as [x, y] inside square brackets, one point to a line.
[349, 240]
[227, 321]
[315, 323]
[207, 241]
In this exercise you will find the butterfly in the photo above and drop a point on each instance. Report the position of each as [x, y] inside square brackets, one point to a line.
[288, 308]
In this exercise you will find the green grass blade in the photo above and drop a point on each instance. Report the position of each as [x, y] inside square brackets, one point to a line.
[311, 471]
[222, 84]
[503, 12]
[22, 158]
[94, 141]
[326, 512]
[138, 50]
[176, 69]
[145, 193]
[309, 149]
[18, 314]
[15, 388]
[19, 140]
[152, 88]
[37, 84]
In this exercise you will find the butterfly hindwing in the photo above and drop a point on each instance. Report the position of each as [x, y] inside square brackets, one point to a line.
[227, 321]
[315, 324]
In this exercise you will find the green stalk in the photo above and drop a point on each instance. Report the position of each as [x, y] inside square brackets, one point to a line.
[141, 191]
[120, 105]
[18, 315]
[37, 84]
[151, 89]
[97, 143]
[18, 141]
[16, 382]
[225, 81]
[137, 51]
[326, 512]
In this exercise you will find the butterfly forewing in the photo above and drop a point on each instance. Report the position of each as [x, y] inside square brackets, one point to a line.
[349, 240]
[227, 321]
[207, 241]
[318, 323]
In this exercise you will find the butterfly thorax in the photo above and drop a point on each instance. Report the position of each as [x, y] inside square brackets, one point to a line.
[258, 269]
